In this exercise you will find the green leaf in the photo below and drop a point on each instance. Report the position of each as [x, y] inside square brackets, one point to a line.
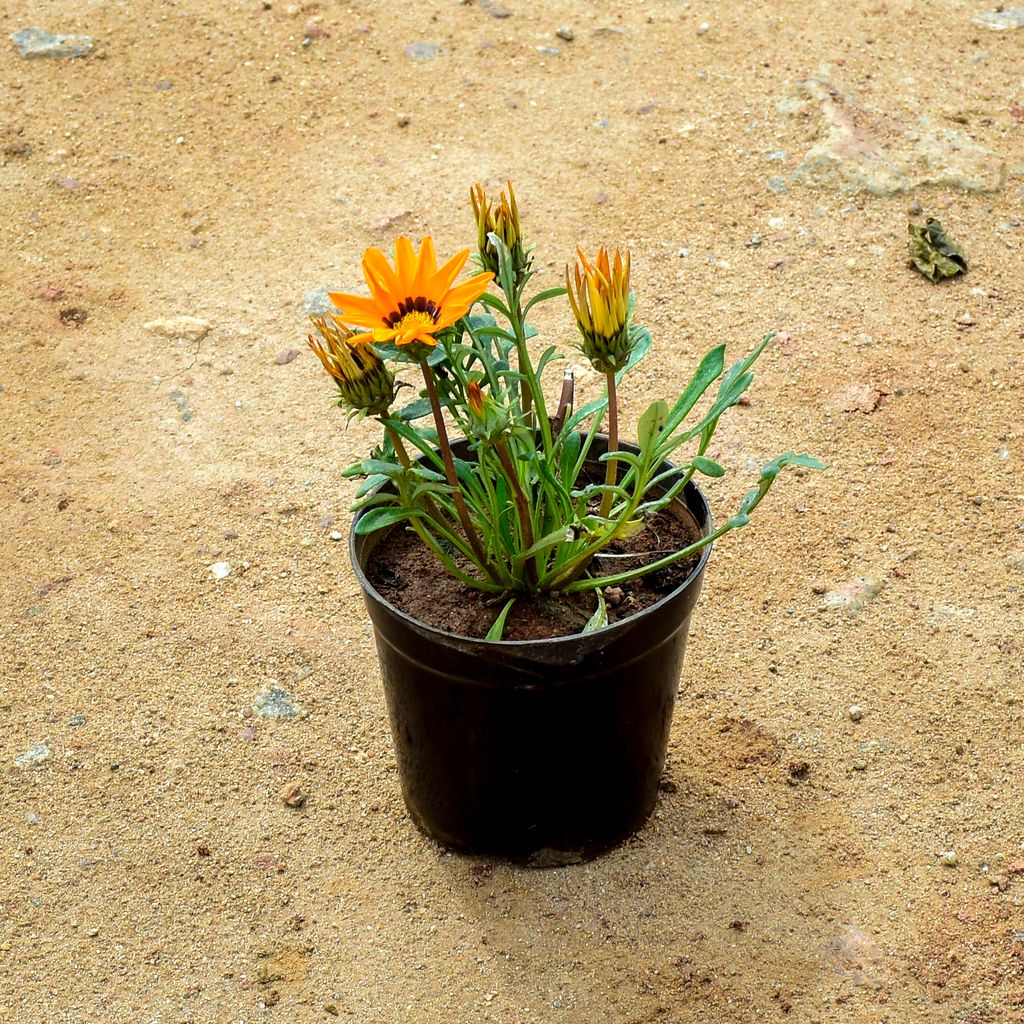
[563, 535]
[707, 373]
[651, 424]
[375, 480]
[934, 252]
[707, 466]
[548, 293]
[415, 410]
[769, 471]
[495, 632]
[475, 321]
[600, 617]
[378, 518]
[568, 455]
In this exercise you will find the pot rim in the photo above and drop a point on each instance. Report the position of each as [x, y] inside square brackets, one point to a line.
[522, 645]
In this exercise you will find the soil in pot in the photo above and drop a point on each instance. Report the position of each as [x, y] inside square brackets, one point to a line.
[407, 575]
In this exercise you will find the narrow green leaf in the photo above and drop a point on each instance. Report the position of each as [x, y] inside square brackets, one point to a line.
[495, 632]
[600, 617]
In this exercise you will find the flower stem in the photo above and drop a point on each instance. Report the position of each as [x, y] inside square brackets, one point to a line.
[525, 518]
[449, 467]
[611, 466]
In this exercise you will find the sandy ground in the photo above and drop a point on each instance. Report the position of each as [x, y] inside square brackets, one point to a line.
[204, 162]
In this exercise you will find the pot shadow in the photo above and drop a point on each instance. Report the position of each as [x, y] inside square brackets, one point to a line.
[735, 895]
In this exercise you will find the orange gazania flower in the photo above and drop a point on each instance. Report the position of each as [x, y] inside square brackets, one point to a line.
[413, 300]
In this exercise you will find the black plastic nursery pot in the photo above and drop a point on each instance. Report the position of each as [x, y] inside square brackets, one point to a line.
[544, 752]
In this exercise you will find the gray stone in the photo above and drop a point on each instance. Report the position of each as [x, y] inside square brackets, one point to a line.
[495, 10]
[855, 955]
[849, 157]
[777, 184]
[1001, 20]
[422, 51]
[852, 597]
[33, 42]
[565, 32]
[549, 51]
[76, 720]
[180, 399]
[275, 703]
[37, 755]
[316, 301]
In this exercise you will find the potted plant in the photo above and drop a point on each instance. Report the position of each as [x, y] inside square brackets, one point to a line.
[530, 582]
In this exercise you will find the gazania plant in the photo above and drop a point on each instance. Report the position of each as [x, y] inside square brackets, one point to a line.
[518, 514]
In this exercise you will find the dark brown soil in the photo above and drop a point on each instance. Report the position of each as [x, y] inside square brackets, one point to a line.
[405, 572]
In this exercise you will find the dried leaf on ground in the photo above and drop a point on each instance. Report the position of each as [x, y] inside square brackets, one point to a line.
[933, 252]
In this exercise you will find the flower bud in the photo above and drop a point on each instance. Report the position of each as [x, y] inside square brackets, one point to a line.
[600, 303]
[365, 384]
[501, 219]
[488, 420]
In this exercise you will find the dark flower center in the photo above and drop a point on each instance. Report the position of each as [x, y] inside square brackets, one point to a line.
[417, 305]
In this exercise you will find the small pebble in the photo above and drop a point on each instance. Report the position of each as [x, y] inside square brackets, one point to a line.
[856, 712]
[292, 795]
[565, 32]
[948, 858]
[336, 535]
[220, 570]
[33, 42]
[93, 932]
[189, 328]
[422, 51]
[703, 28]
[37, 755]
[275, 703]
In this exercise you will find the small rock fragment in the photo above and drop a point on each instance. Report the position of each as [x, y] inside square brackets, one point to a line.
[287, 356]
[855, 712]
[37, 755]
[220, 570]
[565, 32]
[292, 795]
[948, 858]
[495, 10]
[853, 596]
[317, 301]
[73, 316]
[857, 398]
[33, 42]
[422, 51]
[188, 328]
[275, 703]
[1002, 19]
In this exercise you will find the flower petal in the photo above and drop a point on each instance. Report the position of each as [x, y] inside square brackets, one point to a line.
[356, 305]
[427, 267]
[445, 277]
[405, 267]
[379, 275]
